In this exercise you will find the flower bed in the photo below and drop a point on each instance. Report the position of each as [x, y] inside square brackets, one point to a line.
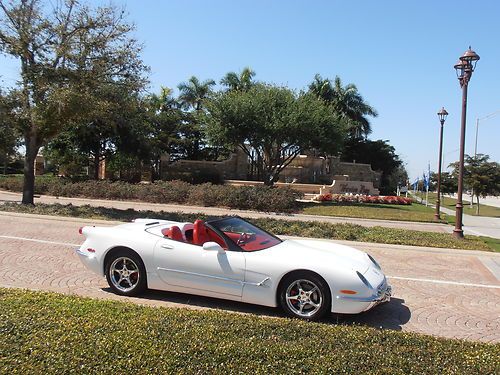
[339, 198]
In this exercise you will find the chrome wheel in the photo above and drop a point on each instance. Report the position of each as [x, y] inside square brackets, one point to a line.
[304, 298]
[124, 274]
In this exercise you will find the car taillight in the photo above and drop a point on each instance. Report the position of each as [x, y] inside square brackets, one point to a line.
[91, 250]
[80, 230]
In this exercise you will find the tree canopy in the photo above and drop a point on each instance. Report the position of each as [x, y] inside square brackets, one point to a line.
[346, 101]
[65, 50]
[480, 175]
[272, 125]
[239, 82]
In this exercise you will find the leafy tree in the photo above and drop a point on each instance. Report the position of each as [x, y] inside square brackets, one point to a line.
[192, 97]
[382, 157]
[63, 50]
[239, 82]
[481, 175]
[449, 183]
[9, 136]
[165, 120]
[272, 125]
[346, 101]
[109, 126]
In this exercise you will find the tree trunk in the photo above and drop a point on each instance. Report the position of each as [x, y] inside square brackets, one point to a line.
[96, 164]
[5, 163]
[29, 170]
[477, 208]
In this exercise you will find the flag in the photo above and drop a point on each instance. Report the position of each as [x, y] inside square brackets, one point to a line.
[415, 184]
[426, 181]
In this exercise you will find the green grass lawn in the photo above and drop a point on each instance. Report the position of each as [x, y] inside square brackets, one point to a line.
[52, 333]
[450, 203]
[414, 212]
[350, 232]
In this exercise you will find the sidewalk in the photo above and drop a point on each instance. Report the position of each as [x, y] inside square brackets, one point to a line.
[426, 227]
[478, 225]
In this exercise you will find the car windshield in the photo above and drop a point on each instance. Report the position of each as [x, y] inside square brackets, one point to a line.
[246, 236]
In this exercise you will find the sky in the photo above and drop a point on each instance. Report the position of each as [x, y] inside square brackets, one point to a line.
[400, 55]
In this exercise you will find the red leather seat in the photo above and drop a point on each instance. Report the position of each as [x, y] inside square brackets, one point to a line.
[200, 235]
[216, 238]
[174, 233]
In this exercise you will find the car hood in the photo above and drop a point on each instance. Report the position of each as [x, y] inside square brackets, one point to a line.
[325, 251]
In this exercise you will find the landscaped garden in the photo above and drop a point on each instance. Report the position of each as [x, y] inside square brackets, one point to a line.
[259, 198]
[46, 332]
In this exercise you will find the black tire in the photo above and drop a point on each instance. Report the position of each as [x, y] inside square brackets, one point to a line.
[313, 296]
[125, 273]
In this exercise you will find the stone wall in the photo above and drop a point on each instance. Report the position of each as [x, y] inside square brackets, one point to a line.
[236, 167]
[311, 169]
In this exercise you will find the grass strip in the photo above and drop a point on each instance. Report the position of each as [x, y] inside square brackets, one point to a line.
[346, 231]
[47, 332]
[415, 212]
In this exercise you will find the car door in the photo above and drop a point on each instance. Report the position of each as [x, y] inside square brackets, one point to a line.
[189, 266]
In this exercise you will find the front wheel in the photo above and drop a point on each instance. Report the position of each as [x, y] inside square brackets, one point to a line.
[304, 295]
[126, 274]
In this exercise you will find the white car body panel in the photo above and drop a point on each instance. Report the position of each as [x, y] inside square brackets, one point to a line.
[247, 276]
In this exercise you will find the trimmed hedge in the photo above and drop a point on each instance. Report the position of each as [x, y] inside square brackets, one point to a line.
[51, 333]
[259, 198]
[350, 232]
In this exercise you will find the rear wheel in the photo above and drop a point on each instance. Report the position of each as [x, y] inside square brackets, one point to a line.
[126, 274]
[304, 295]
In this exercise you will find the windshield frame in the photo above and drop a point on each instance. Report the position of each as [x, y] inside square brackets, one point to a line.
[232, 246]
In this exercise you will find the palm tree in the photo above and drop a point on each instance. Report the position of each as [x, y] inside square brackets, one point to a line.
[193, 92]
[241, 82]
[347, 101]
[351, 104]
[322, 88]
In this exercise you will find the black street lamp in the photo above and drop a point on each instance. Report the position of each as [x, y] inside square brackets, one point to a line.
[464, 68]
[442, 114]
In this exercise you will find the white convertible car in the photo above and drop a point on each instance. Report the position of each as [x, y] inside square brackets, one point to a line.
[233, 259]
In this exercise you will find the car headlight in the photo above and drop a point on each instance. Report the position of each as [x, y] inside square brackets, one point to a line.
[363, 279]
[374, 261]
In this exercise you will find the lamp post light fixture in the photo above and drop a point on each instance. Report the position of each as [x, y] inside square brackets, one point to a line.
[464, 68]
[442, 114]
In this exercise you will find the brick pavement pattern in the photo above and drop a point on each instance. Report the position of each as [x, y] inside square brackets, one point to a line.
[447, 293]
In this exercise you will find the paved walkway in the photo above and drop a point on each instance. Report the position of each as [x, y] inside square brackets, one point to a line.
[426, 227]
[478, 225]
[442, 292]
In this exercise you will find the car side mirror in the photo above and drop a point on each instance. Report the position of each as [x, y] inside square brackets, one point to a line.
[213, 246]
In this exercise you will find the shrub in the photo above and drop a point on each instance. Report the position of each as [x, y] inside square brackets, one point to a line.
[261, 198]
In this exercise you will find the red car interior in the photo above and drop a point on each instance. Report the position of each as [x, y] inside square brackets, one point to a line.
[202, 234]
[174, 233]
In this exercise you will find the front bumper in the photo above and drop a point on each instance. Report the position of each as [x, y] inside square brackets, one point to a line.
[382, 294]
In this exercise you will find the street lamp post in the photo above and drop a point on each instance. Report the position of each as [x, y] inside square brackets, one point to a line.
[442, 114]
[464, 68]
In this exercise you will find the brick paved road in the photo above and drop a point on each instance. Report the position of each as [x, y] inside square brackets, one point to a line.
[448, 293]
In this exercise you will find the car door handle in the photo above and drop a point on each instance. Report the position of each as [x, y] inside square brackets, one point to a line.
[165, 246]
